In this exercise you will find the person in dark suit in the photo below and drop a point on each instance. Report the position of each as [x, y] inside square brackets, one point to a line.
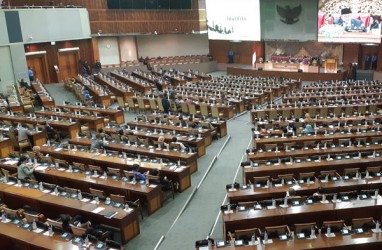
[165, 104]
[231, 55]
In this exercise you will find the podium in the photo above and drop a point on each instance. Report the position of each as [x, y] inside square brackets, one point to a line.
[331, 65]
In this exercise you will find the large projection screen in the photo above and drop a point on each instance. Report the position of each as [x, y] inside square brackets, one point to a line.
[288, 20]
[349, 21]
[233, 20]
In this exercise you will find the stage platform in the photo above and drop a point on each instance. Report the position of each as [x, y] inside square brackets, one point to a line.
[293, 74]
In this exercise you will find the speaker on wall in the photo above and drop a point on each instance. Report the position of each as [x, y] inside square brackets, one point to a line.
[260, 69]
[299, 70]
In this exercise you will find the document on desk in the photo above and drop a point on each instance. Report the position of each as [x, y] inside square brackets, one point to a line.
[41, 168]
[10, 162]
[58, 149]
[152, 186]
[98, 209]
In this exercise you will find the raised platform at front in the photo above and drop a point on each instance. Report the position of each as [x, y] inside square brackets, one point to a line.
[303, 76]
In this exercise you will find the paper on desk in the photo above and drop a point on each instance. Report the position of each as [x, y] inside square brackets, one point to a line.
[6, 220]
[47, 191]
[38, 230]
[85, 200]
[179, 169]
[10, 162]
[98, 209]
[58, 149]
[47, 233]
[41, 168]
[203, 248]
[152, 186]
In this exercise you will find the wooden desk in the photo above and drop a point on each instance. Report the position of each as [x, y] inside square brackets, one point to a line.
[46, 99]
[114, 114]
[99, 94]
[135, 85]
[366, 241]
[197, 143]
[14, 237]
[94, 122]
[304, 167]
[316, 212]
[257, 194]
[70, 128]
[126, 93]
[180, 175]
[205, 132]
[6, 147]
[220, 125]
[186, 158]
[260, 143]
[309, 152]
[149, 194]
[51, 206]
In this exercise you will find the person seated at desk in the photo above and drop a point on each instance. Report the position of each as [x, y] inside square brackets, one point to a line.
[289, 129]
[190, 101]
[23, 132]
[36, 150]
[166, 184]
[101, 134]
[24, 172]
[161, 141]
[97, 143]
[174, 140]
[308, 119]
[52, 133]
[308, 130]
[138, 175]
[87, 96]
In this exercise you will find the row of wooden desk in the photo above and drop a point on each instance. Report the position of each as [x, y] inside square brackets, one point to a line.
[335, 137]
[150, 194]
[51, 206]
[196, 142]
[316, 212]
[46, 99]
[99, 94]
[189, 159]
[124, 92]
[14, 237]
[311, 166]
[366, 241]
[250, 193]
[135, 85]
[311, 152]
[114, 114]
[94, 122]
[70, 128]
[179, 175]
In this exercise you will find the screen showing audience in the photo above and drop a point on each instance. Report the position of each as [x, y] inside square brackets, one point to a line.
[288, 20]
[233, 20]
[355, 21]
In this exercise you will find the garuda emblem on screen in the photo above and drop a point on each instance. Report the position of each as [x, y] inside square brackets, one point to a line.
[289, 15]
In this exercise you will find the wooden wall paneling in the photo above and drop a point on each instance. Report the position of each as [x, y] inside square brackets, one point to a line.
[68, 63]
[219, 50]
[351, 51]
[40, 66]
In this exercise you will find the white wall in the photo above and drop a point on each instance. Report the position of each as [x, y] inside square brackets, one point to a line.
[45, 25]
[128, 48]
[6, 69]
[108, 50]
[172, 45]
